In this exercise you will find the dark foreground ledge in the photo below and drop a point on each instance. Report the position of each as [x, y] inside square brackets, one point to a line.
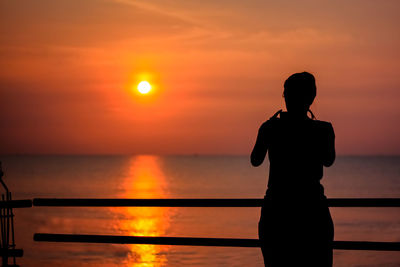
[24, 203]
[233, 202]
[11, 252]
[191, 241]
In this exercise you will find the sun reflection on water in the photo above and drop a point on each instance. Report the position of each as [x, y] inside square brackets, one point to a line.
[144, 179]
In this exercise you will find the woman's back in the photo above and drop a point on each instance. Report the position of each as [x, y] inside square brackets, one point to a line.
[297, 150]
[295, 207]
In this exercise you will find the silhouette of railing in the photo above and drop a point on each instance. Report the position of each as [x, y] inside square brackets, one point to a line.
[190, 241]
[7, 239]
[8, 250]
[203, 202]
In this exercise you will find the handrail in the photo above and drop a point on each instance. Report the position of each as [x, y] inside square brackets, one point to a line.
[208, 202]
[22, 203]
[194, 241]
[191, 241]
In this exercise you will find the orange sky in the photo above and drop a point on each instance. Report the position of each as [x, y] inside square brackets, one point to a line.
[67, 69]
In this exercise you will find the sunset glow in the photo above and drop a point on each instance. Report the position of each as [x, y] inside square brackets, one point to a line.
[144, 87]
[108, 107]
[70, 68]
[144, 179]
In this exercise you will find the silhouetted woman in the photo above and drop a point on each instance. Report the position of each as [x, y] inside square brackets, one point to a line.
[296, 227]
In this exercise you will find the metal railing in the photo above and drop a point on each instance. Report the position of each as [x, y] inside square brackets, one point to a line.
[204, 202]
[8, 250]
[190, 241]
[7, 239]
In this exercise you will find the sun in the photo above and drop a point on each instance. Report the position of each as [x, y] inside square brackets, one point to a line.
[144, 87]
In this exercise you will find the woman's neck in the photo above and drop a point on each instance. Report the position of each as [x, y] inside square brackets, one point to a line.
[296, 116]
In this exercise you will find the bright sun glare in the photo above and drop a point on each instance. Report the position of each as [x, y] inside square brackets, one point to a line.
[144, 87]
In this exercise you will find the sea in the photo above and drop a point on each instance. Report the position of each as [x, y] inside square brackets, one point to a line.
[151, 176]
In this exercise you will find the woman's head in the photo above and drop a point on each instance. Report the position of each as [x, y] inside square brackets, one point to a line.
[299, 93]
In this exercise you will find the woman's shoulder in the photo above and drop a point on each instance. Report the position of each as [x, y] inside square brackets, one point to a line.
[271, 121]
[319, 123]
[324, 126]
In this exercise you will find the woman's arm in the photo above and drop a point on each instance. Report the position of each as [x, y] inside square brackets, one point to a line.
[261, 146]
[329, 153]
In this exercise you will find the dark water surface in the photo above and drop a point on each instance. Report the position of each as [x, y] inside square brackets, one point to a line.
[184, 177]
